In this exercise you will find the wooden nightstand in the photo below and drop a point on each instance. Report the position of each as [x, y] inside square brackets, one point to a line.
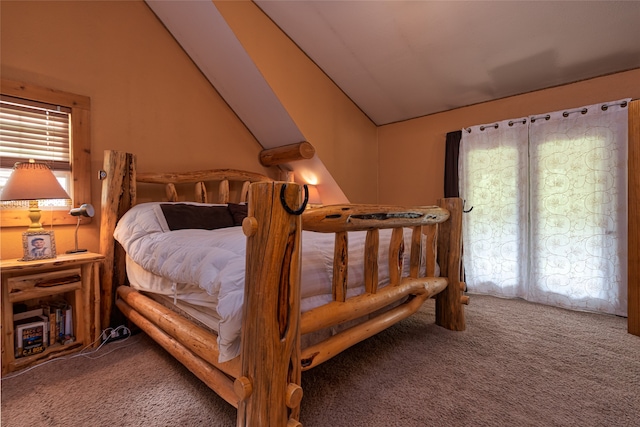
[70, 279]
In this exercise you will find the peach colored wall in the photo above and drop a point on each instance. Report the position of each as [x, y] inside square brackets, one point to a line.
[344, 137]
[412, 152]
[147, 96]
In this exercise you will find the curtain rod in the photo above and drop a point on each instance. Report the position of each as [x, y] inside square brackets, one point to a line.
[603, 107]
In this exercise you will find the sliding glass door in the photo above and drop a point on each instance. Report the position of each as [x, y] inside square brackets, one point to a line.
[549, 208]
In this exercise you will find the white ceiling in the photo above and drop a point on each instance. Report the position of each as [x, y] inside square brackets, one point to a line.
[399, 60]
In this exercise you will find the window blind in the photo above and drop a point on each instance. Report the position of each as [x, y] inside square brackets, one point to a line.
[34, 130]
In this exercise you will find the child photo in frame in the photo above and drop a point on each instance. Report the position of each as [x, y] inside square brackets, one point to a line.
[38, 245]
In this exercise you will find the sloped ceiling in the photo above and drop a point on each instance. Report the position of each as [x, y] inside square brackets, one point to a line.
[205, 37]
[399, 60]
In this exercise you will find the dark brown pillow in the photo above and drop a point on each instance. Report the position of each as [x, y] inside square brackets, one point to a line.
[238, 212]
[181, 216]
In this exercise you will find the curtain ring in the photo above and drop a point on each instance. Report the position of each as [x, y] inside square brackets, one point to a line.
[287, 208]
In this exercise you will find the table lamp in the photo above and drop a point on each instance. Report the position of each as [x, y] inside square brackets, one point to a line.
[87, 211]
[29, 182]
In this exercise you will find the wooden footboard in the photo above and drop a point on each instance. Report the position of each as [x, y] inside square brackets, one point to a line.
[342, 219]
[264, 381]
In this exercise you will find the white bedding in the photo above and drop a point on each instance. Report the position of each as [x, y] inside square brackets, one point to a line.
[215, 261]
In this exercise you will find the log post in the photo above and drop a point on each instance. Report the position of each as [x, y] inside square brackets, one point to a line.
[415, 262]
[287, 153]
[271, 313]
[396, 256]
[371, 244]
[200, 192]
[340, 263]
[223, 191]
[118, 195]
[449, 310]
[171, 192]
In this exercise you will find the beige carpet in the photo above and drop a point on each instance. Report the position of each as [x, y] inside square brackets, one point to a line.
[517, 364]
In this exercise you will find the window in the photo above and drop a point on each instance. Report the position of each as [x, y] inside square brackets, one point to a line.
[39, 131]
[54, 128]
[549, 194]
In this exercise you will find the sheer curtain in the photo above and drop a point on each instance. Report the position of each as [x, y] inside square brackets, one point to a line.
[549, 219]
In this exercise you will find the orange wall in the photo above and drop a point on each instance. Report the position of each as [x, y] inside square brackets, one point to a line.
[412, 152]
[147, 96]
[344, 137]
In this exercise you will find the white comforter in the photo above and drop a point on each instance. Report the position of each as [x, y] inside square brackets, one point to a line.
[215, 260]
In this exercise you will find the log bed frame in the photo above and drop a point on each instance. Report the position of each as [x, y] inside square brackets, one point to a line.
[263, 383]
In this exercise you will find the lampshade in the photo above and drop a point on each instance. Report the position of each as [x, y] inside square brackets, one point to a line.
[32, 181]
[314, 195]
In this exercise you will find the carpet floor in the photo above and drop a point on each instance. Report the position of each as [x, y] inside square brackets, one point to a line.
[517, 364]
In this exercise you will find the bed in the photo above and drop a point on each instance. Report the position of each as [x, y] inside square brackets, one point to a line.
[272, 288]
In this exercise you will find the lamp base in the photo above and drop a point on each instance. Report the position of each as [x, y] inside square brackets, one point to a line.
[75, 251]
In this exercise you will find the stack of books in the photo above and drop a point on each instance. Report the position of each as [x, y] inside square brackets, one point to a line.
[39, 328]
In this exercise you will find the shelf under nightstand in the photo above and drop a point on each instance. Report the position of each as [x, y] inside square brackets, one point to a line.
[72, 277]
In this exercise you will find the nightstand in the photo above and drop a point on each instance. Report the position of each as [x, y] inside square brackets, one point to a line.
[69, 280]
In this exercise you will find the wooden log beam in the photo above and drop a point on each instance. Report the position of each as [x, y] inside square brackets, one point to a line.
[118, 195]
[213, 378]
[338, 312]
[203, 175]
[334, 218]
[314, 355]
[449, 310]
[271, 310]
[199, 341]
[287, 153]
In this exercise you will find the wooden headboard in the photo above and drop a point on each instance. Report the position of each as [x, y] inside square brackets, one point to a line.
[121, 181]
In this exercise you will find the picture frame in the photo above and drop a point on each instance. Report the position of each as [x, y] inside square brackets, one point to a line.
[38, 245]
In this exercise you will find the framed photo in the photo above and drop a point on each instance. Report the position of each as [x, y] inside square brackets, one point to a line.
[38, 245]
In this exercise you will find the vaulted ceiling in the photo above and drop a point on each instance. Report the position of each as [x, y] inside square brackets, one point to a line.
[398, 60]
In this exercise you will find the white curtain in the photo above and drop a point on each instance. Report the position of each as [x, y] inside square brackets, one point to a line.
[549, 218]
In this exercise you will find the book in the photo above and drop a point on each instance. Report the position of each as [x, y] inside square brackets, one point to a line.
[30, 337]
[60, 315]
[27, 314]
[68, 323]
[45, 319]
